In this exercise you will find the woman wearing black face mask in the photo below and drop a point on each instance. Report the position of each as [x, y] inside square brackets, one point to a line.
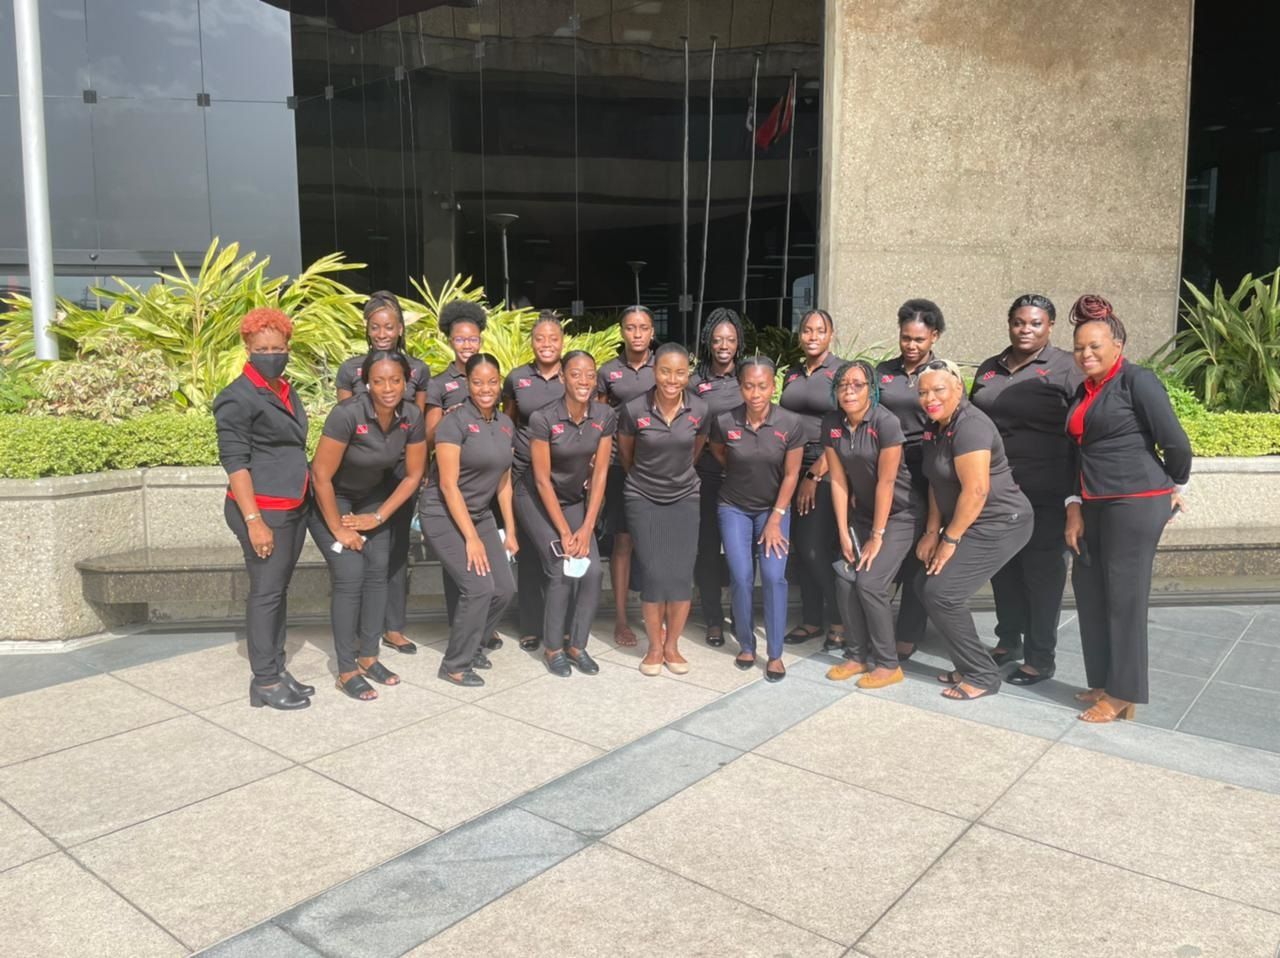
[262, 444]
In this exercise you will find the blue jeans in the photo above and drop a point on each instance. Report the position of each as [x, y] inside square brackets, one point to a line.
[740, 532]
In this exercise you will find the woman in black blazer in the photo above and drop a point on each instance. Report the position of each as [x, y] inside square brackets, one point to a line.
[1125, 493]
[262, 444]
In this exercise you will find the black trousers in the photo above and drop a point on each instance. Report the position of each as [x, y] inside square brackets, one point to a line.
[358, 583]
[865, 604]
[983, 549]
[569, 604]
[396, 617]
[814, 546]
[1113, 590]
[1028, 591]
[267, 606]
[531, 586]
[709, 569]
[912, 618]
[481, 599]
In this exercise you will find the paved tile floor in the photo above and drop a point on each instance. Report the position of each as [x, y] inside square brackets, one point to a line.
[145, 809]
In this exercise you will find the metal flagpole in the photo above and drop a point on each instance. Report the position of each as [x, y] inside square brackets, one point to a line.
[751, 186]
[684, 207]
[35, 174]
[706, 209]
[786, 222]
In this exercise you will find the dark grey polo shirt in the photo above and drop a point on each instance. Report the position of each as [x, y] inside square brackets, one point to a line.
[1029, 407]
[859, 453]
[900, 394]
[529, 391]
[573, 445]
[620, 383]
[662, 469]
[370, 453]
[809, 395]
[755, 460]
[485, 456]
[349, 377]
[721, 394]
[969, 431]
[447, 388]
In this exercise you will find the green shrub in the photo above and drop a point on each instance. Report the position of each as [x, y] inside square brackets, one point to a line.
[1229, 353]
[1234, 434]
[17, 388]
[112, 380]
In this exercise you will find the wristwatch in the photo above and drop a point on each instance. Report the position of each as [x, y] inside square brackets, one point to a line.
[809, 475]
[378, 516]
[942, 533]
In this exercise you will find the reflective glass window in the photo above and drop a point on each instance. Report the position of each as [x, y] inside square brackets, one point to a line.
[246, 48]
[144, 48]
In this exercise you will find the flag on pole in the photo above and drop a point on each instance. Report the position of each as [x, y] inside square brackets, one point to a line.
[778, 123]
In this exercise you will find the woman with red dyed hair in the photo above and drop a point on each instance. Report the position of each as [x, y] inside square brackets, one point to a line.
[1131, 462]
[262, 444]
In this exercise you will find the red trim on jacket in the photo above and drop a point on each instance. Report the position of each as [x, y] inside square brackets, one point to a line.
[274, 502]
[1075, 429]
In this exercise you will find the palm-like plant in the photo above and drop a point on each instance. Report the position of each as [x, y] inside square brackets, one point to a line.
[1228, 354]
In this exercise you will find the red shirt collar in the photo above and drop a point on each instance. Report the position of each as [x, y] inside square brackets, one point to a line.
[282, 393]
[1090, 389]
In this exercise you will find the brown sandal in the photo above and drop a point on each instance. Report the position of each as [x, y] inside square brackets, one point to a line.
[1106, 710]
[1091, 696]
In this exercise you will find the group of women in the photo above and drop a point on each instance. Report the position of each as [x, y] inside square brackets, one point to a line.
[854, 481]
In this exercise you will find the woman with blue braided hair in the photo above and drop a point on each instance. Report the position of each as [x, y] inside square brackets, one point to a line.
[878, 518]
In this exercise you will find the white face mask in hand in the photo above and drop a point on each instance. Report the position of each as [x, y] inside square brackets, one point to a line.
[576, 568]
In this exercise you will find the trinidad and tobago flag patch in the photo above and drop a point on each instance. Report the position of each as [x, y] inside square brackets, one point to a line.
[704, 387]
[642, 422]
[362, 429]
[836, 433]
[451, 386]
[473, 427]
[989, 374]
[557, 429]
[615, 375]
[523, 383]
[735, 433]
[885, 380]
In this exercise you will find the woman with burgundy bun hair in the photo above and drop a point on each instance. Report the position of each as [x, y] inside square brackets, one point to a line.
[1131, 461]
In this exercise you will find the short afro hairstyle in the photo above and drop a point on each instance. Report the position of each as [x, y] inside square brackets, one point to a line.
[263, 318]
[462, 311]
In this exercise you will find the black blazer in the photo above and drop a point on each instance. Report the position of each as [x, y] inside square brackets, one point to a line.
[256, 432]
[1132, 442]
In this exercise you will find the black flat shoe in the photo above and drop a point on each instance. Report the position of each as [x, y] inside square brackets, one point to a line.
[715, 641]
[358, 688]
[834, 640]
[278, 696]
[1019, 677]
[771, 676]
[1007, 655]
[306, 691]
[530, 643]
[380, 674]
[583, 662]
[468, 679]
[800, 634]
[493, 642]
[745, 665]
[407, 649]
[557, 663]
[481, 661]
[903, 656]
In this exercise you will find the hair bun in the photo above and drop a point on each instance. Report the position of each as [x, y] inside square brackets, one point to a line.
[1091, 308]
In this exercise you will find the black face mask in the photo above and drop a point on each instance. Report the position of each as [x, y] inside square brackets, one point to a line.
[269, 365]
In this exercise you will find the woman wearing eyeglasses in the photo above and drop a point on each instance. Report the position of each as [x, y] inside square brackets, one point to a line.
[878, 518]
[978, 520]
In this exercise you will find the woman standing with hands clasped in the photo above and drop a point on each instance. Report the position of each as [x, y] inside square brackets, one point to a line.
[1131, 463]
[262, 445]
[660, 436]
[558, 502]
[806, 391]
[365, 437]
[978, 520]
[760, 447]
[472, 465]
[384, 330]
[874, 500]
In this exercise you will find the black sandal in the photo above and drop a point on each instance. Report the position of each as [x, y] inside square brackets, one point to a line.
[408, 648]
[957, 694]
[800, 634]
[951, 678]
[715, 640]
[380, 674]
[358, 688]
[834, 640]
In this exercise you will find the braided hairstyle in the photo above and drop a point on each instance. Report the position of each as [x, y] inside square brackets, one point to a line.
[1091, 308]
[547, 316]
[873, 383]
[718, 317]
[376, 303]
[756, 361]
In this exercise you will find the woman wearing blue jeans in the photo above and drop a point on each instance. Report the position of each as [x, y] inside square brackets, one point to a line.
[761, 447]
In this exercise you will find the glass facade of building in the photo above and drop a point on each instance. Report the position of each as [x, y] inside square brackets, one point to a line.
[400, 131]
